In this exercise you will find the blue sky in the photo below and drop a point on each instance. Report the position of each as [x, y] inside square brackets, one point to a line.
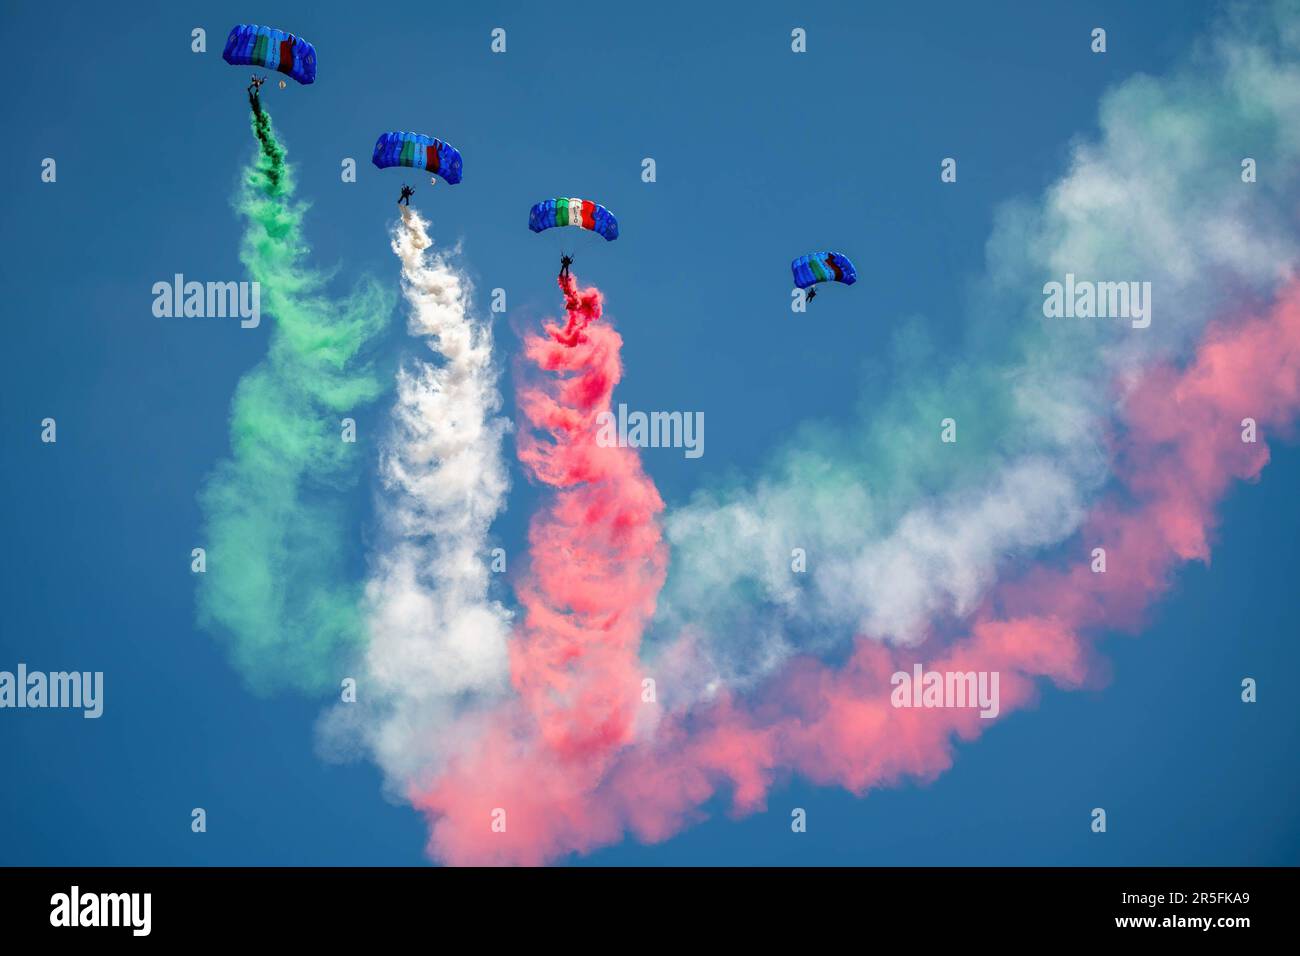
[761, 155]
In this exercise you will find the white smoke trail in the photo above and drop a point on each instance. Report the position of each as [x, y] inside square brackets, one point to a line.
[437, 639]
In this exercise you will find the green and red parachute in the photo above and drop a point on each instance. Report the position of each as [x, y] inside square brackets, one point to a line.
[418, 152]
[582, 213]
[252, 45]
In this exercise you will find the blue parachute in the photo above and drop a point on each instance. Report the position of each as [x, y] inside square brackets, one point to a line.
[419, 152]
[582, 213]
[823, 267]
[251, 45]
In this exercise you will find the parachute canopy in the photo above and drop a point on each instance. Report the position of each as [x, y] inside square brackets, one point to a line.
[251, 45]
[823, 267]
[573, 212]
[419, 152]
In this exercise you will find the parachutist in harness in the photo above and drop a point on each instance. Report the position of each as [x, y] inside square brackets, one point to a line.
[565, 262]
[812, 294]
[407, 193]
[255, 101]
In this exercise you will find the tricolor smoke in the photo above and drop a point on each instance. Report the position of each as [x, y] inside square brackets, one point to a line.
[566, 792]
[902, 530]
[276, 524]
[596, 566]
[1182, 447]
[1072, 435]
[437, 639]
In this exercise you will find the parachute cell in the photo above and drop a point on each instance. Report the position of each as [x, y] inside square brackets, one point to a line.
[582, 213]
[419, 152]
[823, 267]
[251, 45]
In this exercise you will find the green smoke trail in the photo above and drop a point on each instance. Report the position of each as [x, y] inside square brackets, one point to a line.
[277, 526]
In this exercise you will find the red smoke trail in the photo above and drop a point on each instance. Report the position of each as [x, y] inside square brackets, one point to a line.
[597, 559]
[597, 565]
[1179, 451]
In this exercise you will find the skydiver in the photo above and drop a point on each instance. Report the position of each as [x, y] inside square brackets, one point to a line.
[812, 294]
[255, 85]
[565, 262]
[407, 193]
